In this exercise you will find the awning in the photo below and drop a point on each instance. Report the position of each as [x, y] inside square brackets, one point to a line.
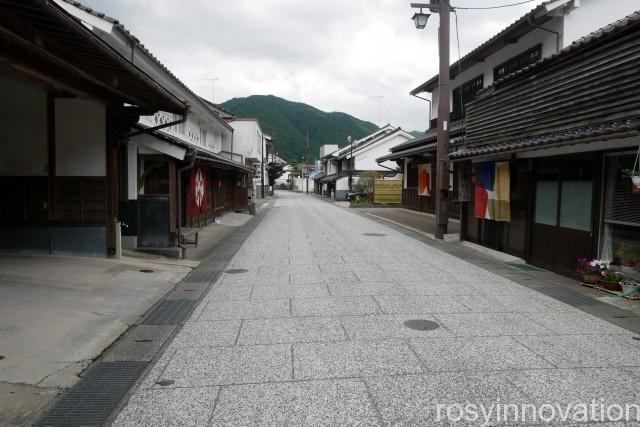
[596, 132]
[424, 149]
[41, 39]
[156, 144]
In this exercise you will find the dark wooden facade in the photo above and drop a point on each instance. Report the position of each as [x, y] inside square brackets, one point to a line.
[588, 94]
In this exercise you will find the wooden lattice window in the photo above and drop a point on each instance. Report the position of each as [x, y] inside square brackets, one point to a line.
[518, 62]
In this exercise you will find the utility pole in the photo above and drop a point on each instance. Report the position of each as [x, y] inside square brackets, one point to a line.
[262, 167]
[442, 146]
[351, 163]
[306, 160]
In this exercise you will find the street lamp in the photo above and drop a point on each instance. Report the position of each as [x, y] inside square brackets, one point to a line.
[420, 18]
[442, 146]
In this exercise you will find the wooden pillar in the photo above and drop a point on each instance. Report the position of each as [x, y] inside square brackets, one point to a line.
[111, 198]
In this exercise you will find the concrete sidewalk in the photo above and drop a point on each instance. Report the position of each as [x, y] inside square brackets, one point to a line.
[57, 313]
[418, 221]
[307, 327]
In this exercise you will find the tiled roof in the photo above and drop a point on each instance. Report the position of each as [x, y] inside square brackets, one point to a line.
[620, 128]
[455, 128]
[129, 35]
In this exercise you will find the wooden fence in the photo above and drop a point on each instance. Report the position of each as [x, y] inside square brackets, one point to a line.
[387, 191]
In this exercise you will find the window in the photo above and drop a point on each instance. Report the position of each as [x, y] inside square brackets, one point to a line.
[527, 57]
[469, 91]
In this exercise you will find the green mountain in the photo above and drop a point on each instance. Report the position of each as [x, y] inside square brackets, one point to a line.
[287, 122]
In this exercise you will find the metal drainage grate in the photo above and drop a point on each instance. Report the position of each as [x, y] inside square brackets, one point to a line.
[169, 312]
[201, 275]
[236, 271]
[165, 383]
[567, 296]
[373, 234]
[95, 397]
[421, 324]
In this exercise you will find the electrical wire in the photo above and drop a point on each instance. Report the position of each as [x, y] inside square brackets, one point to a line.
[490, 7]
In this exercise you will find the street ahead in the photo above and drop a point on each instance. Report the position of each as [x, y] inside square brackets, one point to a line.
[313, 334]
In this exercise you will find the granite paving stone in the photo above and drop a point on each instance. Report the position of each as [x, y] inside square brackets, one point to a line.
[333, 306]
[353, 359]
[290, 291]
[206, 333]
[586, 351]
[307, 403]
[211, 366]
[491, 324]
[220, 310]
[414, 399]
[169, 407]
[576, 323]
[420, 304]
[475, 353]
[290, 330]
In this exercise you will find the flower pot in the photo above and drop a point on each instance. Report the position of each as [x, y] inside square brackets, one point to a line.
[636, 181]
[590, 278]
[610, 286]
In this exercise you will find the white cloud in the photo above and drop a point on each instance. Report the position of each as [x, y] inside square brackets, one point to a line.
[332, 54]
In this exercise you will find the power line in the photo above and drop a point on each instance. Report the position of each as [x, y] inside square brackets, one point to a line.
[491, 7]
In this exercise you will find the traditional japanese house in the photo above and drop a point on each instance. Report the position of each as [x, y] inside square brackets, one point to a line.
[541, 33]
[360, 157]
[69, 102]
[180, 169]
[562, 130]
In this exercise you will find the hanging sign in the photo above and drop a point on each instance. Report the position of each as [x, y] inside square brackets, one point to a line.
[197, 191]
[424, 179]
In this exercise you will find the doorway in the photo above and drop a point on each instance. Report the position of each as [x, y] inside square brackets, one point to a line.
[562, 220]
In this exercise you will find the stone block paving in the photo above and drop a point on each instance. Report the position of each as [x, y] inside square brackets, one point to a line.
[313, 334]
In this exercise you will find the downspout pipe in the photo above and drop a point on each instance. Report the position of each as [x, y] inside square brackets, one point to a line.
[429, 101]
[192, 162]
[540, 27]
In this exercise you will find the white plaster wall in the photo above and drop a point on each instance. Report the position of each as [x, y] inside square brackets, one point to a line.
[247, 138]
[485, 68]
[343, 183]
[594, 14]
[80, 138]
[366, 158]
[23, 128]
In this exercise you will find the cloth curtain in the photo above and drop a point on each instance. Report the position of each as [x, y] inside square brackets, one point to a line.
[493, 192]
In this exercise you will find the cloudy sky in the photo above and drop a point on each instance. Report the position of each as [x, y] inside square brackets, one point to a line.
[336, 55]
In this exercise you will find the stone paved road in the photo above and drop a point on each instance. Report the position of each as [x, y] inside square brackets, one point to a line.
[313, 334]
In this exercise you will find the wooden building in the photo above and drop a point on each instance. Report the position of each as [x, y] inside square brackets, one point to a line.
[567, 126]
[68, 102]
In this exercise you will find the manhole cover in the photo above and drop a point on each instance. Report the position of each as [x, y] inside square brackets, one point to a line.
[236, 271]
[373, 234]
[165, 383]
[635, 338]
[2, 357]
[421, 324]
[146, 270]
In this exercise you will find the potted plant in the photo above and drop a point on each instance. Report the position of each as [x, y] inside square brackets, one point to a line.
[634, 175]
[591, 270]
[610, 280]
